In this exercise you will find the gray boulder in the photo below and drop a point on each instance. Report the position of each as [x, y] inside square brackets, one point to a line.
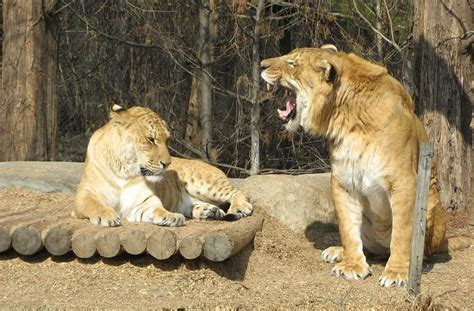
[303, 203]
[41, 176]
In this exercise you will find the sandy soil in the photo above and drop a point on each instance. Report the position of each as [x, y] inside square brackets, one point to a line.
[281, 270]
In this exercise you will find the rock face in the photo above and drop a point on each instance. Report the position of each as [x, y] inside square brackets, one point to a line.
[41, 176]
[303, 203]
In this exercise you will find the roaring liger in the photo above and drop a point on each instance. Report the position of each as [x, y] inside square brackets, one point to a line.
[373, 135]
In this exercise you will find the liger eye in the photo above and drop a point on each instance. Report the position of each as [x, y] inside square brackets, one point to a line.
[151, 140]
[291, 63]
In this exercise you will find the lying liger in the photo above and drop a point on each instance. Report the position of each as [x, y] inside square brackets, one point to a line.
[129, 174]
[374, 136]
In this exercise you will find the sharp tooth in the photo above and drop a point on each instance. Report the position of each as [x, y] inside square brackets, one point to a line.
[286, 93]
[280, 113]
[269, 87]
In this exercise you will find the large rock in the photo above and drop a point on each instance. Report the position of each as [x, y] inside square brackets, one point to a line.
[41, 176]
[303, 203]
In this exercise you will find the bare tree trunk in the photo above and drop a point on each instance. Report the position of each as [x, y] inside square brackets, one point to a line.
[194, 129]
[193, 135]
[206, 83]
[255, 114]
[378, 26]
[28, 115]
[441, 75]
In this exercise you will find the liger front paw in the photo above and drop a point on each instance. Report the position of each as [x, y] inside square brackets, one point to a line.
[169, 219]
[107, 218]
[332, 254]
[393, 277]
[352, 270]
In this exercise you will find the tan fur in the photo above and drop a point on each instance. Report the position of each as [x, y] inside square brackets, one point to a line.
[129, 174]
[374, 136]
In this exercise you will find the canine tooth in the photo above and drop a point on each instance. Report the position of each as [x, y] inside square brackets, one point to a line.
[280, 113]
[269, 87]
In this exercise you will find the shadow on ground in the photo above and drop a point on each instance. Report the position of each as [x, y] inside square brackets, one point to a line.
[233, 268]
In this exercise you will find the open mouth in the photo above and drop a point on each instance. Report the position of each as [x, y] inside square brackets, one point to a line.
[288, 112]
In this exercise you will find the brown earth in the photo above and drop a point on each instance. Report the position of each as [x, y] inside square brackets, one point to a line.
[282, 270]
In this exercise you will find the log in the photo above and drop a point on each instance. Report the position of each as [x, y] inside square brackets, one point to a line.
[107, 242]
[26, 237]
[230, 238]
[6, 225]
[83, 242]
[28, 215]
[26, 240]
[28, 233]
[6, 230]
[190, 245]
[161, 243]
[57, 238]
[5, 238]
[133, 239]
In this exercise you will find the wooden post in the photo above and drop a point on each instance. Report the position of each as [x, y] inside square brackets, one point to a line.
[419, 218]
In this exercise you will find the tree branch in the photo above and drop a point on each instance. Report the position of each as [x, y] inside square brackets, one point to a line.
[393, 43]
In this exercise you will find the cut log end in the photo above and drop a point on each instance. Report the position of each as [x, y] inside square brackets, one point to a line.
[133, 241]
[26, 240]
[5, 239]
[83, 244]
[161, 243]
[108, 243]
[191, 247]
[57, 241]
[218, 246]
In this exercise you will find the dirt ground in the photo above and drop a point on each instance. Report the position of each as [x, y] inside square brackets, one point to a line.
[282, 270]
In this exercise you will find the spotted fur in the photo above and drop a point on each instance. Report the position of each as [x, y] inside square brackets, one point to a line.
[129, 174]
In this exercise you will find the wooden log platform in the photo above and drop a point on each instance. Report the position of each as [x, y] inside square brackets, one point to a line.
[58, 233]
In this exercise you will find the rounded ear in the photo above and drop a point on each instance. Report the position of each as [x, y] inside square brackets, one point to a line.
[330, 73]
[116, 108]
[330, 47]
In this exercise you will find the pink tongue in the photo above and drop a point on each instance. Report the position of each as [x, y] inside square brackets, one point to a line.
[290, 105]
